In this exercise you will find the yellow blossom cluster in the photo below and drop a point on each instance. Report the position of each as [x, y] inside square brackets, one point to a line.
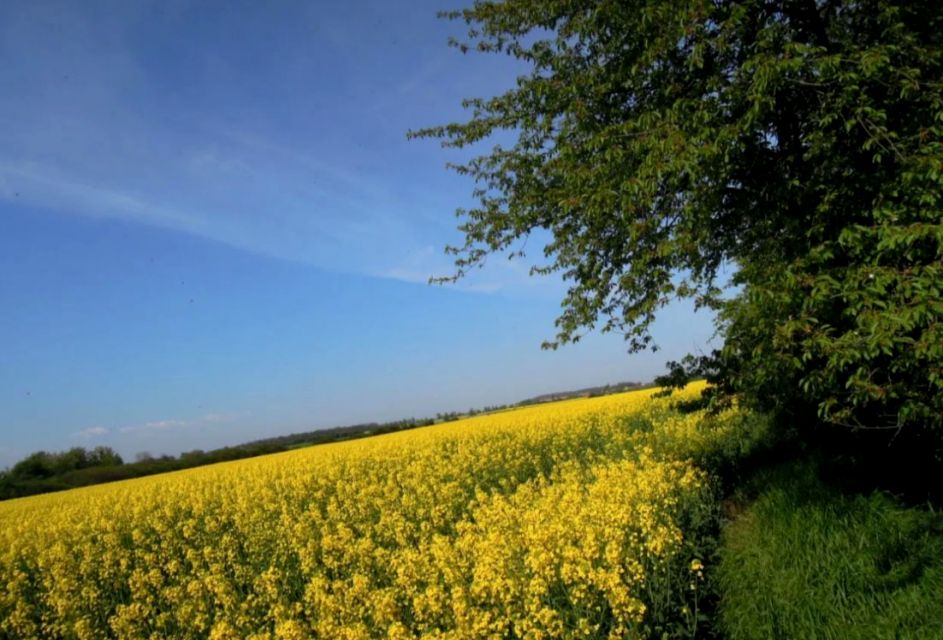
[564, 520]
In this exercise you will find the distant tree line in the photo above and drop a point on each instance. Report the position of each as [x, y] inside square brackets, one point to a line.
[44, 472]
[588, 392]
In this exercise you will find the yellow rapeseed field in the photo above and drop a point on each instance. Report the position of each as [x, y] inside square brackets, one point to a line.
[565, 520]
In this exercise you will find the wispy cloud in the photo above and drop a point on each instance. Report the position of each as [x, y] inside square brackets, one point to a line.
[92, 432]
[97, 135]
[46, 186]
[260, 158]
[170, 424]
[497, 275]
[156, 425]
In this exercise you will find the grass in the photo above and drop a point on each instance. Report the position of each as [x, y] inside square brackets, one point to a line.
[805, 560]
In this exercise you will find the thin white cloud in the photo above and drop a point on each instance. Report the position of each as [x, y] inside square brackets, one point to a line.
[169, 424]
[498, 275]
[92, 432]
[166, 424]
[94, 137]
[46, 186]
[263, 204]
[155, 425]
[97, 134]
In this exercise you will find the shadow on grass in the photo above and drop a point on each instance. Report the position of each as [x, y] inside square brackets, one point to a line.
[804, 557]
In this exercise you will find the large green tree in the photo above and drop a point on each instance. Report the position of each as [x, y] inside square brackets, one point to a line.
[796, 144]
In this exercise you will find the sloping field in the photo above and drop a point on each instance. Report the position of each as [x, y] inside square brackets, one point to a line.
[572, 519]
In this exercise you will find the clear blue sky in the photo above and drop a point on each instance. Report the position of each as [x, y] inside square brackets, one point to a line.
[213, 229]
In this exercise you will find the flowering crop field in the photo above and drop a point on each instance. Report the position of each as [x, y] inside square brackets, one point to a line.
[566, 520]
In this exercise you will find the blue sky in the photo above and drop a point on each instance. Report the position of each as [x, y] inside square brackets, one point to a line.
[213, 229]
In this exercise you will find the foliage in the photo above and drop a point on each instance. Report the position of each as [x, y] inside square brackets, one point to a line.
[806, 561]
[45, 465]
[799, 143]
[574, 519]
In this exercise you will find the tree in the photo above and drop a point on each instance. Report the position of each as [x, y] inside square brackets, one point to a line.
[798, 143]
[40, 464]
[104, 457]
[74, 458]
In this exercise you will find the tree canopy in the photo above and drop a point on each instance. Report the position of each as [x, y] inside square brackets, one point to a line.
[795, 143]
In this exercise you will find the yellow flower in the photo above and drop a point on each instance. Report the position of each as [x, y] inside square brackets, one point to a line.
[541, 522]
